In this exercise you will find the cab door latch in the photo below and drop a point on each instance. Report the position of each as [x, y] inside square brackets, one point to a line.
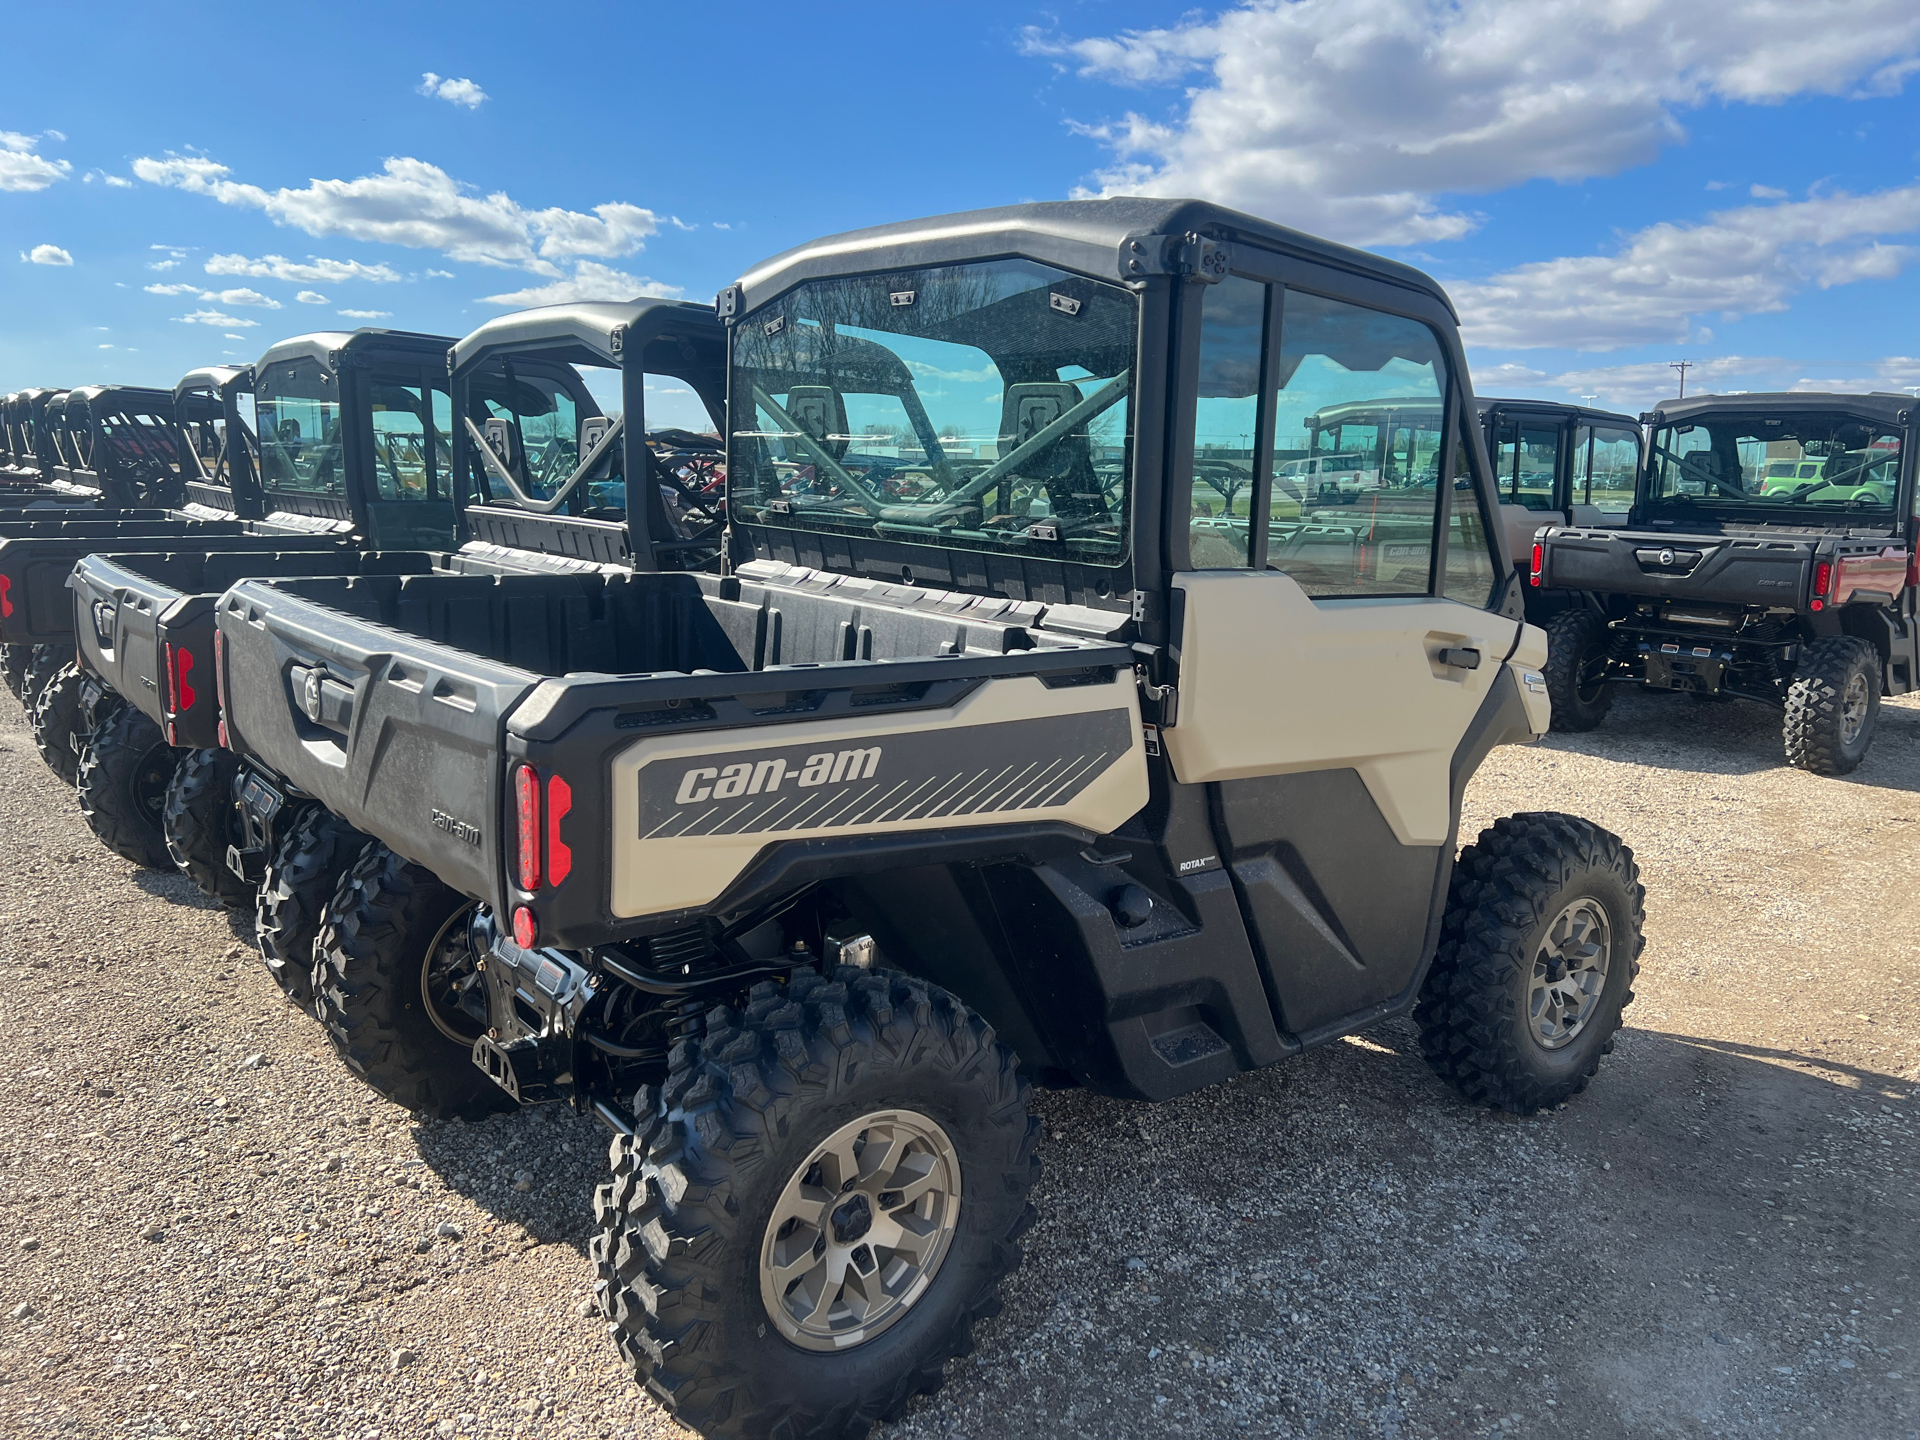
[1460, 657]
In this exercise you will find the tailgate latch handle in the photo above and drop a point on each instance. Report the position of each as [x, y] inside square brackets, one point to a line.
[325, 700]
[1459, 657]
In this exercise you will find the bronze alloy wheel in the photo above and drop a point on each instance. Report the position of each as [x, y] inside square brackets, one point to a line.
[1569, 972]
[860, 1230]
[1854, 704]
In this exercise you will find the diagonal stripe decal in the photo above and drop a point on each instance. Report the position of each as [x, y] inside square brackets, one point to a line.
[951, 772]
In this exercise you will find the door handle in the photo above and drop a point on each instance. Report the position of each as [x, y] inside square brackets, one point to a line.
[1460, 657]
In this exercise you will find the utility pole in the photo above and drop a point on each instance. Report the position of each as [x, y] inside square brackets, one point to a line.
[1682, 366]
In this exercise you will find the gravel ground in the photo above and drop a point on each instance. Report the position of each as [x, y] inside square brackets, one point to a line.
[207, 1228]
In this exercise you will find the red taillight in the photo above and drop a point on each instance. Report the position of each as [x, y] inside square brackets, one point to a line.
[1539, 560]
[6, 595]
[559, 854]
[526, 796]
[1822, 583]
[1913, 570]
[183, 692]
[526, 929]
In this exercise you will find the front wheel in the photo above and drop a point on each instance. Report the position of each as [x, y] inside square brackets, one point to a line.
[391, 965]
[43, 663]
[311, 858]
[787, 1246]
[124, 774]
[1576, 670]
[56, 721]
[1833, 705]
[14, 660]
[1538, 952]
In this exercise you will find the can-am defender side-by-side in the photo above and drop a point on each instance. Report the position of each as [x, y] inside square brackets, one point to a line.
[987, 759]
[1769, 556]
[360, 441]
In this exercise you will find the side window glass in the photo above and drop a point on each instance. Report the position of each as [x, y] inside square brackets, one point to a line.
[1356, 449]
[1537, 460]
[1232, 338]
[409, 462]
[1616, 461]
[1470, 572]
[1582, 466]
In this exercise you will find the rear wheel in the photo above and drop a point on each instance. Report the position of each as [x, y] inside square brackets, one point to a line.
[200, 821]
[1833, 705]
[56, 720]
[124, 773]
[786, 1248]
[312, 856]
[393, 954]
[1576, 670]
[1538, 953]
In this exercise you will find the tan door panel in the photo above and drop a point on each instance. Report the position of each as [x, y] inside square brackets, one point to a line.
[1272, 682]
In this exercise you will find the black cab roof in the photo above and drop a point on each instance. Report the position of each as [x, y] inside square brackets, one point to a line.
[1485, 404]
[1889, 406]
[584, 332]
[330, 349]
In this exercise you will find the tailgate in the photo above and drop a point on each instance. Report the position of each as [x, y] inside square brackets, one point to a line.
[1723, 569]
[398, 736]
[116, 620]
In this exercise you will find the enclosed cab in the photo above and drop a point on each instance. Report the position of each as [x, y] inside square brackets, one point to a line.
[121, 440]
[1557, 464]
[1768, 556]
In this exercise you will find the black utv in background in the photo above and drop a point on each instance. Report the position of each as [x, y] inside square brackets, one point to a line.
[996, 749]
[1769, 556]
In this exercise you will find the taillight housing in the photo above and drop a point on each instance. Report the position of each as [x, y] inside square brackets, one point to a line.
[1539, 561]
[1822, 583]
[526, 804]
[180, 691]
[6, 595]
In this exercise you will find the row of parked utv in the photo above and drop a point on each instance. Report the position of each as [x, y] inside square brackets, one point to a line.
[969, 714]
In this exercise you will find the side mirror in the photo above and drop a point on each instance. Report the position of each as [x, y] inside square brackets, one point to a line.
[499, 437]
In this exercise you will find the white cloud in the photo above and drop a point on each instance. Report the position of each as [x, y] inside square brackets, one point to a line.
[215, 317]
[588, 282]
[315, 271]
[118, 182]
[1350, 118]
[106, 347]
[163, 265]
[233, 337]
[222, 297]
[48, 255]
[1766, 192]
[1748, 261]
[457, 92]
[311, 297]
[366, 314]
[421, 206]
[439, 274]
[23, 169]
[1638, 387]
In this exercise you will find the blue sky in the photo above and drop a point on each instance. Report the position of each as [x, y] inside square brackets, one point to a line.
[1603, 187]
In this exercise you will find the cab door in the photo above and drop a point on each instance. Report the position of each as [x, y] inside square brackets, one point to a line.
[1326, 684]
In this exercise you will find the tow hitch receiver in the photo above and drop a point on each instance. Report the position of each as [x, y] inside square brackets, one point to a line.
[260, 805]
[1683, 665]
[535, 999]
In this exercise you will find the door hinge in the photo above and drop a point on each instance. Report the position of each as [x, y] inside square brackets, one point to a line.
[1138, 600]
[1167, 697]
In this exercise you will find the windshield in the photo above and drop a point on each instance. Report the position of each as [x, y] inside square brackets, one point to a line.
[1760, 463]
[297, 411]
[975, 406]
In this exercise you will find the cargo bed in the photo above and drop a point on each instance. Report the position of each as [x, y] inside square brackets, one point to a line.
[400, 702]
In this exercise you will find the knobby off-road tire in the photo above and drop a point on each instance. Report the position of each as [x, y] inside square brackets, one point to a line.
[43, 663]
[1512, 1014]
[308, 863]
[1577, 642]
[688, 1240]
[56, 722]
[124, 773]
[388, 939]
[14, 660]
[1833, 705]
[199, 822]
